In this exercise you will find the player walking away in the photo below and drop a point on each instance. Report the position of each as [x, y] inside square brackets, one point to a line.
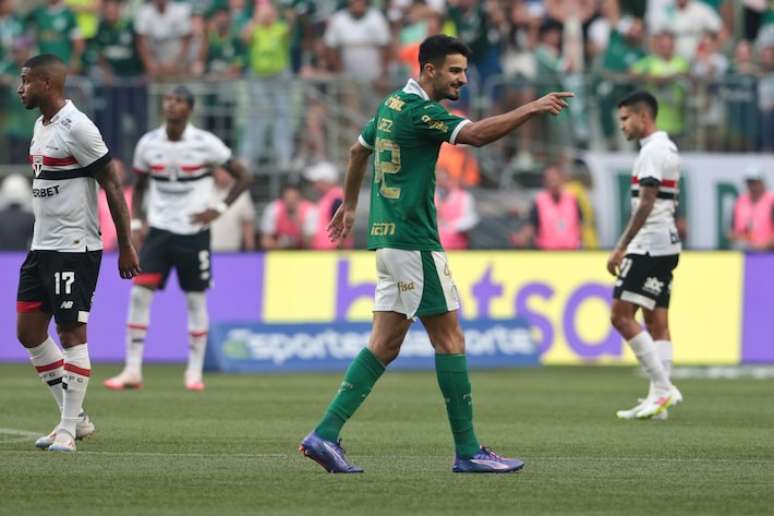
[414, 280]
[647, 253]
[60, 272]
[175, 163]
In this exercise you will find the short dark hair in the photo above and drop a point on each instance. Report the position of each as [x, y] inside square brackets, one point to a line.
[435, 49]
[42, 60]
[639, 99]
[184, 93]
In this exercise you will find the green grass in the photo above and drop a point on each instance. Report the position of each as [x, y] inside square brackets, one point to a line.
[232, 449]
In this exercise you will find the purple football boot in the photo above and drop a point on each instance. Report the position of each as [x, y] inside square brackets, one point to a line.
[328, 454]
[486, 461]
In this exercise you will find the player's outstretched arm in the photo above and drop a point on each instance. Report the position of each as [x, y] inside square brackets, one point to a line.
[493, 128]
[648, 196]
[242, 180]
[343, 220]
[128, 263]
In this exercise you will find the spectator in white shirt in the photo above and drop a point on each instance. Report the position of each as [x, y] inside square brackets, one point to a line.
[235, 229]
[164, 37]
[688, 20]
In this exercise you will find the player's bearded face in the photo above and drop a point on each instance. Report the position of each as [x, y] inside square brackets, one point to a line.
[630, 122]
[451, 76]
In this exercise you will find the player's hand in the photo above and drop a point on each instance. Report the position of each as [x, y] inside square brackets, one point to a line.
[553, 103]
[128, 263]
[205, 217]
[614, 261]
[340, 226]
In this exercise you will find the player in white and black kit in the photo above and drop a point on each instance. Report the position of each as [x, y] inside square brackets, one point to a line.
[647, 253]
[59, 275]
[174, 163]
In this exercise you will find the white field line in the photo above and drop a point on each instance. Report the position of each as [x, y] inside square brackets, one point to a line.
[17, 436]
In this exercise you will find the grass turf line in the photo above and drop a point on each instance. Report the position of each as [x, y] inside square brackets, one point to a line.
[232, 449]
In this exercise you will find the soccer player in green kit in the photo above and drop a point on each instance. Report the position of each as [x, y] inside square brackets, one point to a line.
[414, 280]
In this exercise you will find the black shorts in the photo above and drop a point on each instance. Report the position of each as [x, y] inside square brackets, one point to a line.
[59, 283]
[646, 280]
[188, 254]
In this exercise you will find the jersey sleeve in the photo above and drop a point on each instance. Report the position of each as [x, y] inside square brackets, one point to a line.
[139, 163]
[368, 135]
[433, 122]
[86, 145]
[217, 151]
[649, 168]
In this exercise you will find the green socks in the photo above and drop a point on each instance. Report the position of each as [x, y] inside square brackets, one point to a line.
[359, 379]
[452, 372]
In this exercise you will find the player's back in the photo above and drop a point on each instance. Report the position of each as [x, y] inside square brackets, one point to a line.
[65, 154]
[657, 160]
[406, 136]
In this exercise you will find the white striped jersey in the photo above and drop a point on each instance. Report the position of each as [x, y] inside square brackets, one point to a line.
[65, 154]
[180, 174]
[658, 164]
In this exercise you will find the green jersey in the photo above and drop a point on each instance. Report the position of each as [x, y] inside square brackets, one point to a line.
[116, 44]
[55, 28]
[406, 135]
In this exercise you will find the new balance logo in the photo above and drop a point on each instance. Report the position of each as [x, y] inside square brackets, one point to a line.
[66, 305]
[653, 285]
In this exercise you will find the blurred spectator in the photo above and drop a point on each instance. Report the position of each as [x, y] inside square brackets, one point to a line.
[164, 37]
[17, 122]
[358, 39]
[477, 22]
[520, 37]
[456, 211]
[16, 219]
[459, 162]
[663, 71]
[740, 89]
[688, 20]
[224, 55]
[56, 32]
[752, 226]
[11, 28]
[298, 14]
[106, 226]
[555, 219]
[551, 69]
[708, 68]
[756, 14]
[240, 12]
[422, 22]
[86, 15]
[579, 187]
[324, 179]
[270, 87]
[624, 49]
[234, 230]
[766, 93]
[122, 118]
[288, 222]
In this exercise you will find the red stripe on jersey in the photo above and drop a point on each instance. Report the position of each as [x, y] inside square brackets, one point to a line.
[24, 307]
[666, 183]
[191, 168]
[50, 161]
[49, 367]
[133, 326]
[157, 168]
[77, 370]
[147, 279]
[197, 333]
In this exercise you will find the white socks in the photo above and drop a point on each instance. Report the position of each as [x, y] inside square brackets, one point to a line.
[643, 347]
[49, 363]
[198, 326]
[137, 327]
[77, 370]
[664, 352]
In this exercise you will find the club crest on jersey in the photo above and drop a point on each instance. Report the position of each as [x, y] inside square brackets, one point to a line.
[37, 164]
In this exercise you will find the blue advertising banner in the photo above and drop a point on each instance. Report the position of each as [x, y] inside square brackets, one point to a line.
[252, 347]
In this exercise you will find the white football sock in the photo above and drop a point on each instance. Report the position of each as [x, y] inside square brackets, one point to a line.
[48, 361]
[664, 352]
[137, 327]
[77, 370]
[644, 349]
[198, 326]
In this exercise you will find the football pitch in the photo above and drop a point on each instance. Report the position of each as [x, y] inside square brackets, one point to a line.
[233, 448]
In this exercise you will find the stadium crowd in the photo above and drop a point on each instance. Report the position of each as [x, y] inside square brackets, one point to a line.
[276, 79]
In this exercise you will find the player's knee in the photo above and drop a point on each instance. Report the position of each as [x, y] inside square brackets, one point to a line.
[451, 342]
[30, 337]
[71, 335]
[619, 319]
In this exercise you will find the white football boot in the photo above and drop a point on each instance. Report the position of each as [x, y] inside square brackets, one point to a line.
[193, 381]
[84, 428]
[659, 403]
[63, 443]
[631, 413]
[125, 380]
